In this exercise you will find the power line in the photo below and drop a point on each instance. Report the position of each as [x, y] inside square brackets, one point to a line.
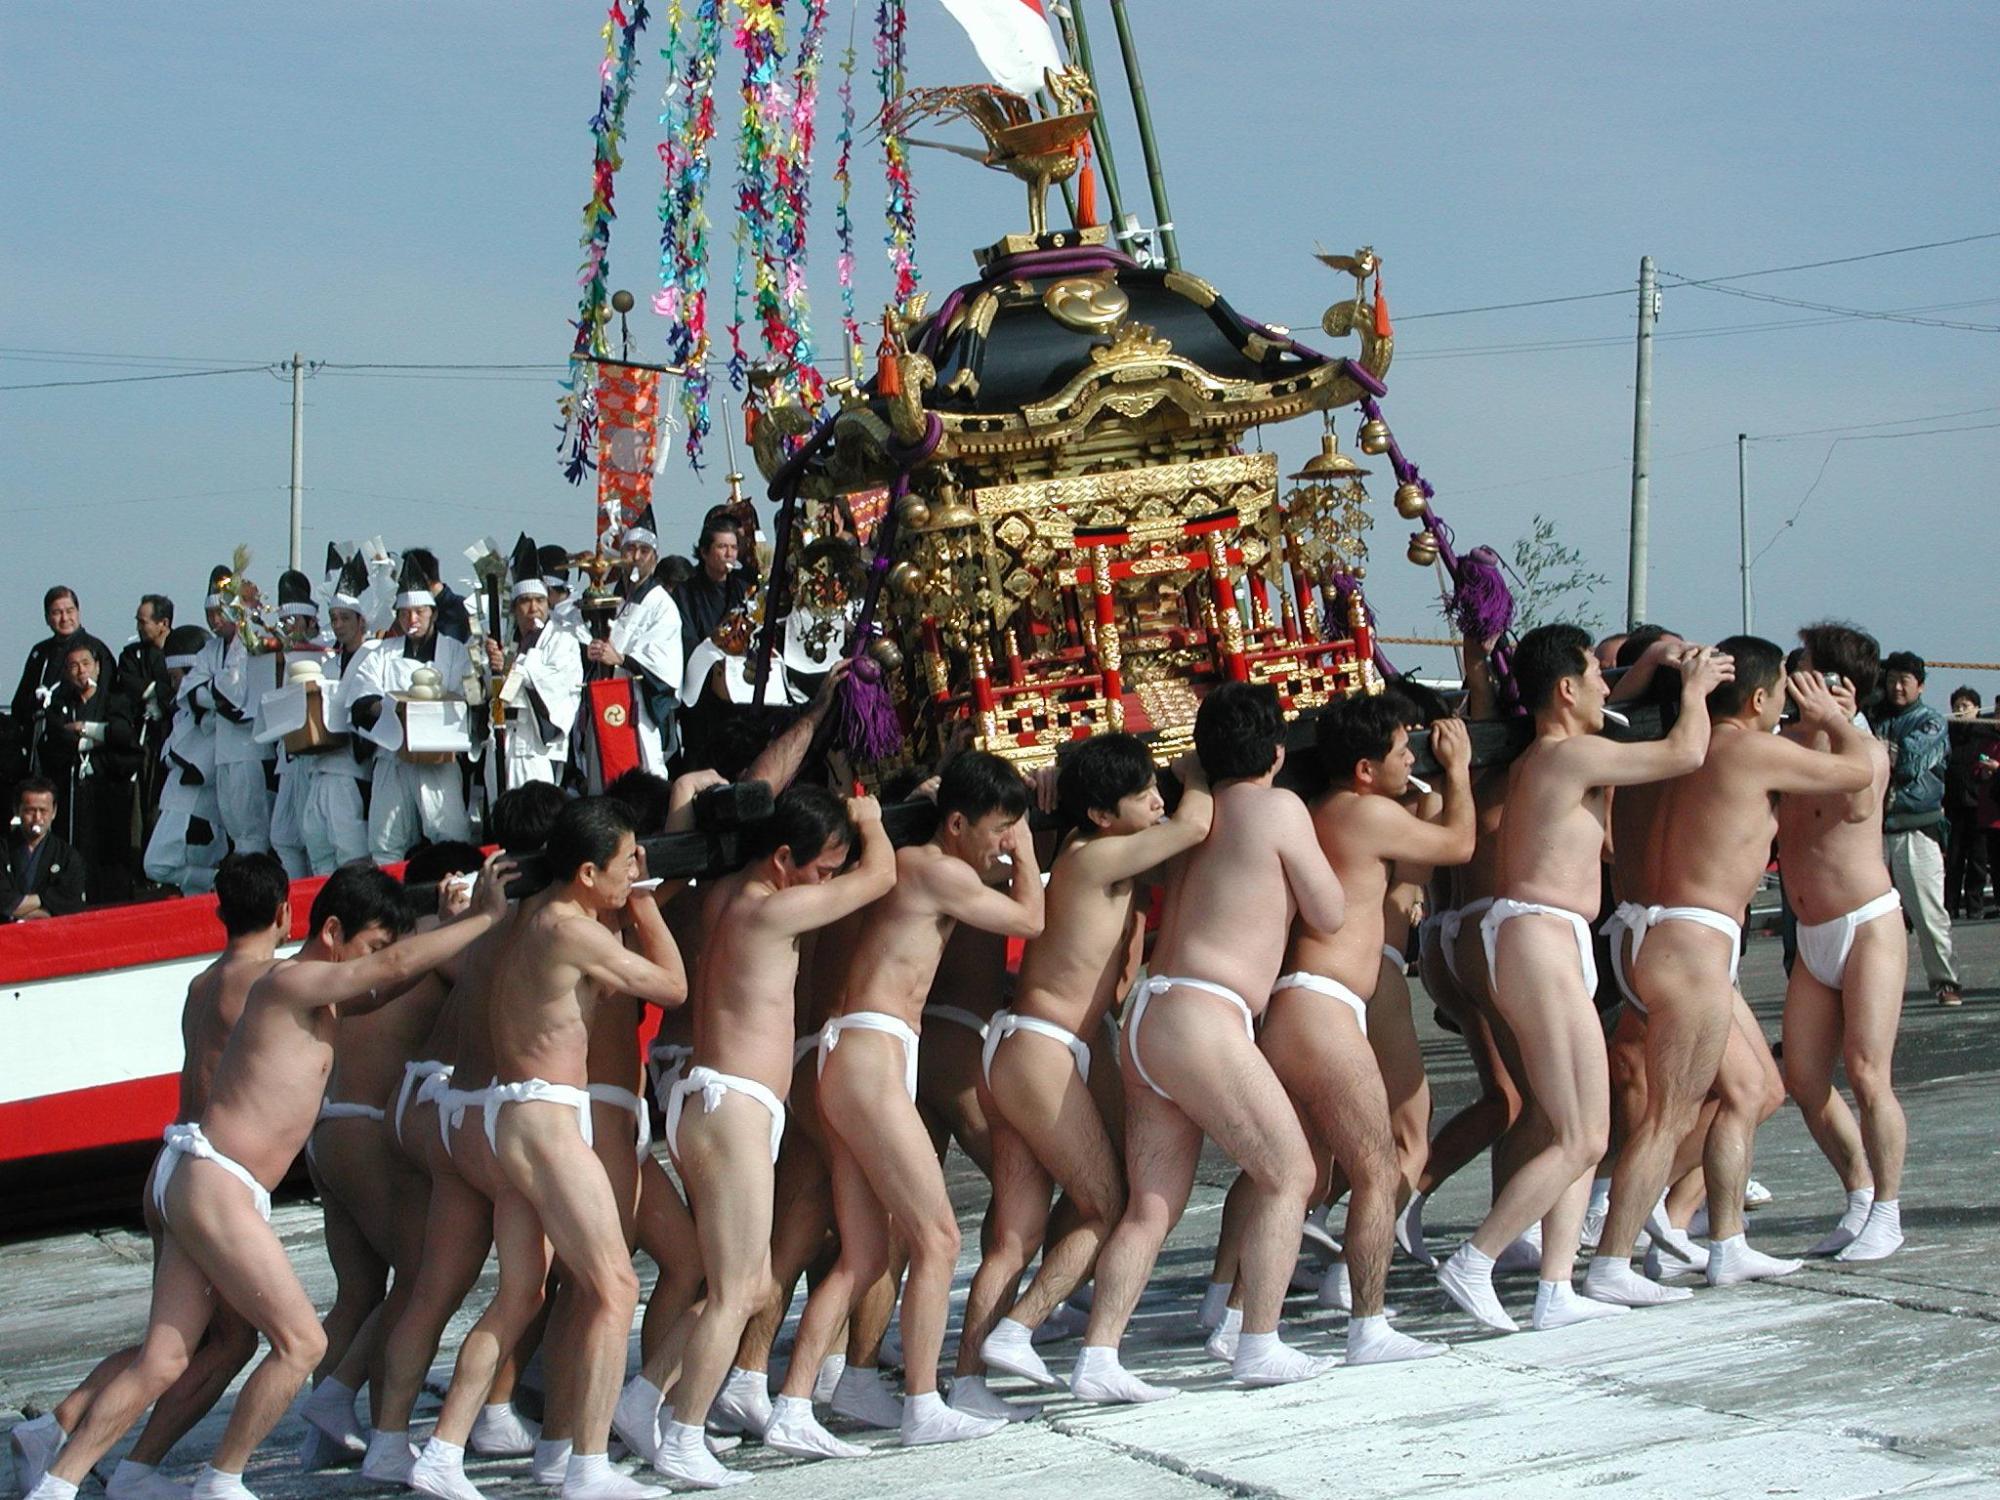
[1827, 462]
[1828, 307]
[1936, 416]
[1846, 260]
[43, 385]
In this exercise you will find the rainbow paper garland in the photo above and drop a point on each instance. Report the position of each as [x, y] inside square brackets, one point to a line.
[760, 38]
[843, 219]
[792, 341]
[607, 128]
[688, 115]
[900, 211]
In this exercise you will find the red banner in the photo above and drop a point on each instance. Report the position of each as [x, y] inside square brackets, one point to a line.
[614, 728]
[628, 411]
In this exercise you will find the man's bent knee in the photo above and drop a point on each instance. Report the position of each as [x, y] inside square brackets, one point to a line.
[937, 1240]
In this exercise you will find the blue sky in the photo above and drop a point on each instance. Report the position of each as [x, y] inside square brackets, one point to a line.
[371, 182]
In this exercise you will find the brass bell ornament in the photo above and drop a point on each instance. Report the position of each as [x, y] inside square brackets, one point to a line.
[888, 655]
[914, 512]
[1424, 548]
[1374, 436]
[1410, 500]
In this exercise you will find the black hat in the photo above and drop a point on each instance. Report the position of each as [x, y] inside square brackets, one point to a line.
[333, 563]
[555, 565]
[184, 643]
[295, 595]
[526, 566]
[350, 585]
[412, 588]
[218, 577]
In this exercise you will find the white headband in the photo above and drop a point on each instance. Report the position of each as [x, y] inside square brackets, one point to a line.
[301, 611]
[530, 588]
[640, 535]
[417, 599]
[347, 602]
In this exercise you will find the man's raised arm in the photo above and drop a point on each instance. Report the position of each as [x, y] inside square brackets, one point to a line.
[806, 908]
[1602, 762]
[1113, 860]
[391, 970]
[1019, 912]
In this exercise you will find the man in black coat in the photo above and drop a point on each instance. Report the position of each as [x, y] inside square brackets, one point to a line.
[42, 673]
[144, 681]
[90, 748]
[42, 875]
[454, 621]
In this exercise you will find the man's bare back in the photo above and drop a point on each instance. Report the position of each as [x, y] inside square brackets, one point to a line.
[214, 1005]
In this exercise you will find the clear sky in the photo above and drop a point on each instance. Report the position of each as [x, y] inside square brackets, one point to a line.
[375, 182]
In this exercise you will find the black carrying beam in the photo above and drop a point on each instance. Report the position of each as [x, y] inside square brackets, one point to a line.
[723, 813]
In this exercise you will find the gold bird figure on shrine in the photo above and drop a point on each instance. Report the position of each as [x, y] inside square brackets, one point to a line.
[1041, 150]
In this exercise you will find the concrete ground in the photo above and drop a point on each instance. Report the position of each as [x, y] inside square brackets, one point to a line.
[1839, 1382]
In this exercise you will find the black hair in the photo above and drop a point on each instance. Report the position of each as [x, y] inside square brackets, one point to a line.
[1100, 773]
[1966, 690]
[426, 561]
[739, 734]
[645, 798]
[1900, 661]
[1236, 731]
[523, 815]
[161, 606]
[1836, 646]
[360, 896]
[1359, 728]
[978, 782]
[1422, 705]
[1544, 657]
[58, 592]
[714, 525]
[808, 820]
[1638, 641]
[33, 784]
[430, 863]
[1759, 664]
[587, 832]
[79, 642]
[249, 889]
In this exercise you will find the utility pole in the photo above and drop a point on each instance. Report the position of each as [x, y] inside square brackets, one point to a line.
[1155, 178]
[1642, 443]
[298, 460]
[1743, 526]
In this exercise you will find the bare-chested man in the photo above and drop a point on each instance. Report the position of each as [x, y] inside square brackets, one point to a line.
[1845, 999]
[726, 1117]
[213, 1182]
[1047, 1131]
[1708, 842]
[881, 1156]
[372, 1195]
[1538, 944]
[1316, 1031]
[557, 962]
[251, 899]
[441, 1133]
[1189, 1054]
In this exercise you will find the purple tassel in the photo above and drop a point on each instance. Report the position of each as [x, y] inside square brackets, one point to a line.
[865, 711]
[1481, 605]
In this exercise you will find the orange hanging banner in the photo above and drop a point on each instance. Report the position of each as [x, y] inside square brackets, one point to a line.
[628, 413]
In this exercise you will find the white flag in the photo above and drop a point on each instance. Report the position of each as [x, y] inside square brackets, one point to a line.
[1012, 39]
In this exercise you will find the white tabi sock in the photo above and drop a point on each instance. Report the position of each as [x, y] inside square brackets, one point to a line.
[1842, 1234]
[1266, 1359]
[1732, 1261]
[550, 1462]
[590, 1476]
[1371, 1341]
[1609, 1279]
[1467, 1278]
[1214, 1302]
[1881, 1237]
[1099, 1377]
[1557, 1306]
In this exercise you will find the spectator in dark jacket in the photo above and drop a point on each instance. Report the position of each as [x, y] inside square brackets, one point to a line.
[1975, 749]
[1913, 823]
[90, 748]
[454, 621]
[43, 876]
[144, 681]
[42, 673]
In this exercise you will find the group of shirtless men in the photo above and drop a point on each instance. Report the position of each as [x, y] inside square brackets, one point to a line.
[475, 1084]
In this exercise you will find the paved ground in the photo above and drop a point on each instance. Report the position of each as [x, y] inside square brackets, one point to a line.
[1838, 1383]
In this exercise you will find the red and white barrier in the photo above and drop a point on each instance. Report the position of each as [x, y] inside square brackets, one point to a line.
[90, 1006]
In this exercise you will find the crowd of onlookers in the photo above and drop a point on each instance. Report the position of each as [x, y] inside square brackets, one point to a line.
[129, 774]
